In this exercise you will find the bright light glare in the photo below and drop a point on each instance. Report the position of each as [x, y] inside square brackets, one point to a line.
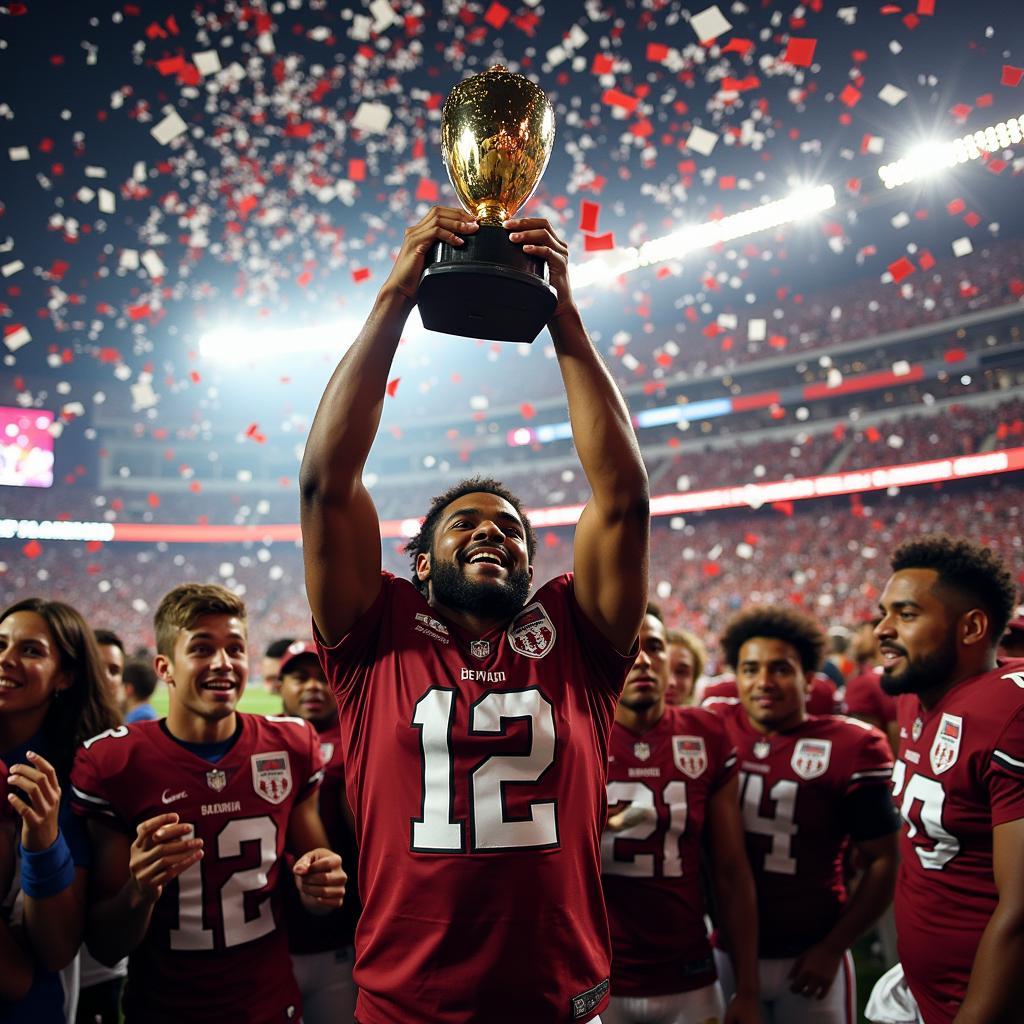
[237, 345]
[930, 158]
[799, 206]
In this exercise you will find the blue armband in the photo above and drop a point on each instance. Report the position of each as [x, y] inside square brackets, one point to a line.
[47, 872]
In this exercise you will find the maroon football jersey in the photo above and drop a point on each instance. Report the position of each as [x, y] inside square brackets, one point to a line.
[214, 949]
[7, 813]
[651, 870]
[318, 933]
[822, 696]
[866, 698]
[959, 773]
[793, 789]
[476, 769]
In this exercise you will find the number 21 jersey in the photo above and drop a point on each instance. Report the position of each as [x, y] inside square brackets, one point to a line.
[215, 948]
[476, 773]
[959, 774]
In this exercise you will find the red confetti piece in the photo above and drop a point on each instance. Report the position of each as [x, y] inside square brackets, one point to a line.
[617, 98]
[850, 96]
[496, 15]
[926, 8]
[138, 312]
[304, 278]
[960, 111]
[800, 52]
[427, 191]
[153, 500]
[740, 46]
[955, 206]
[357, 170]
[901, 268]
[253, 433]
[33, 549]
[589, 212]
[1011, 76]
[360, 274]
[527, 411]
[972, 219]
[657, 51]
[392, 387]
[599, 243]
[926, 260]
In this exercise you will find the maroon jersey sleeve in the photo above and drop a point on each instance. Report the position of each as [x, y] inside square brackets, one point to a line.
[96, 767]
[1005, 774]
[872, 758]
[866, 698]
[8, 814]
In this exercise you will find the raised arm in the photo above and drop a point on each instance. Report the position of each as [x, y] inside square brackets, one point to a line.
[610, 558]
[340, 530]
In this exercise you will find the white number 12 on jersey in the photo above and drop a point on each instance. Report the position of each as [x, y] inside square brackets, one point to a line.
[436, 830]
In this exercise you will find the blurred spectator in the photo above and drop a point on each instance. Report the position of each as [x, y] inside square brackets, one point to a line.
[139, 684]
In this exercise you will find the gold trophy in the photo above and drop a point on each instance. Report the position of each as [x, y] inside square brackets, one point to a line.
[497, 130]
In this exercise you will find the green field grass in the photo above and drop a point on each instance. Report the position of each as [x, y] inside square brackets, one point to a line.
[255, 700]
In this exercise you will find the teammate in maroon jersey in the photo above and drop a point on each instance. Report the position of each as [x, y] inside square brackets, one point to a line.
[475, 729]
[959, 780]
[190, 817]
[322, 945]
[810, 785]
[672, 790]
[822, 696]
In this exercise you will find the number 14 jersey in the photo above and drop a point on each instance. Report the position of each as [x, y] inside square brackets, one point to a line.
[216, 948]
[475, 769]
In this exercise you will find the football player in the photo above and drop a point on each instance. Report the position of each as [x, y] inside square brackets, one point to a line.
[959, 779]
[475, 720]
[190, 817]
[686, 657]
[672, 790]
[322, 945]
[809, 786]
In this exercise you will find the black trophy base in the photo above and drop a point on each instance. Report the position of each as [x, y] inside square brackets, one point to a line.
[487, 288]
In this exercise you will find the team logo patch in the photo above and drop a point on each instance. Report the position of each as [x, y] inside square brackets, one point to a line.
[946, 745]
[762, 748]
[531, 632]
[480, 648]
[217, 779]
[272, 776]
[326, 752]
[642, 751]
[810, 758]
[690, 755]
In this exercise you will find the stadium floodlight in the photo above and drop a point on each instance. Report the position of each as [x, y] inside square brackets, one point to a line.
[930, 158]
[799, 206]
[236, 345]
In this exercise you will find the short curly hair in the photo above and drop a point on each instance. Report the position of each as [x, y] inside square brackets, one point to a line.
[788, 624]
[977, 573]
[423, 542]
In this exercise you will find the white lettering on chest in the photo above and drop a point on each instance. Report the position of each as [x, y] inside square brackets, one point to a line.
[479, 675]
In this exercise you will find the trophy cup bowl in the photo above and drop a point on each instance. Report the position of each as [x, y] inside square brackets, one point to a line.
[497, 130]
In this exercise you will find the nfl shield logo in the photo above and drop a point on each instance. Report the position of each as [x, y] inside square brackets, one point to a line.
[326, 752]
[480, 648]
[272, 776]
[689, 755]
[216, 779]
[762, 748]
[642, 751]
[946, 746]
[531, 632]
[810, 758]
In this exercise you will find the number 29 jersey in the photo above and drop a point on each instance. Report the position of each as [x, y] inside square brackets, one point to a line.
[959, 774]
[652, 879]
[215, 948]
[476, 769]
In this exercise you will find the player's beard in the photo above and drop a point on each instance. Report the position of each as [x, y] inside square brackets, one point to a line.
[487, 599]
[921, 674]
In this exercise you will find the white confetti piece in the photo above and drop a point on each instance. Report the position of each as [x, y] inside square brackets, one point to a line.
[12, 268]
[95, 172]
[384, 15]
[372, 117]
[701, 141]
[169, 128]
[962, 246]
[709, 24]
[757, 330]
[892, 95]
[107, 202]
[153, 264]
[17, 338]
[18, 152]
[207, 62]
[129, 259]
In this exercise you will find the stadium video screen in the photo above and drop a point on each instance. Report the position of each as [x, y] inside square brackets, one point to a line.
[26, 447]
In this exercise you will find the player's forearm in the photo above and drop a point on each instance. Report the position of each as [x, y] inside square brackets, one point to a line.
[866, 904]
[116, 926]
[349, 413]
[995, 993]
[737, 906]
[601, 429]
[54, 926]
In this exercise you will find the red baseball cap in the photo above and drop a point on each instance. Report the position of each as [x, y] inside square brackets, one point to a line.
[299, 649]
